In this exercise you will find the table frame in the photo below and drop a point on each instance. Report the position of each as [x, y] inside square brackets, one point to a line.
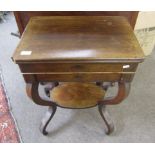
[123, 91]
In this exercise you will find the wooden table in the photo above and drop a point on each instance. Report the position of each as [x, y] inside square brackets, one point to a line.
[101, 49]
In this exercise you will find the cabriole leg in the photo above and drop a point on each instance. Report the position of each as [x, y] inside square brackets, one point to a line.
[123, 91]
[109, 126]
[47, 118]
[32, 92]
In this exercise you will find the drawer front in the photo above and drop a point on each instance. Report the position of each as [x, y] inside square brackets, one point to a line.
[76, 67]
[80, 77]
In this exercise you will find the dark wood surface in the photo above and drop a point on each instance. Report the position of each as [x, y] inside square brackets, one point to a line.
[76, 67]
[76, 38]
[123, 91]
[78, 48]
[77, 94]
[22, 17]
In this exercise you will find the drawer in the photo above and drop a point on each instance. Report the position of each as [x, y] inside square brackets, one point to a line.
[77, 67]
[73, 77]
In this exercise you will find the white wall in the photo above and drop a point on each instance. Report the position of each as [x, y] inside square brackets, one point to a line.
[145, 20]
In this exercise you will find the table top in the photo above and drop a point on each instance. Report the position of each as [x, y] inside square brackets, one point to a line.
[78, 38]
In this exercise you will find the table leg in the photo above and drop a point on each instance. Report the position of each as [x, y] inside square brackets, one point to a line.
[32, 92]
[49, 86]
[47, 118]
[109, 128]
[105, 85]
[123, 91]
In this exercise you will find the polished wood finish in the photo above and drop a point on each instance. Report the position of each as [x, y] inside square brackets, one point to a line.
[23, 17]
[76, 67]
[32, 92]
[77, 94]
[98, 49]
[123, 92]
[76, 77]
[70, 38]
[62, 40]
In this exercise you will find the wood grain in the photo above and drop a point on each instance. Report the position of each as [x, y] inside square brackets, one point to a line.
[77, 77]
[23, 17]
[75, 38]
[77, 67]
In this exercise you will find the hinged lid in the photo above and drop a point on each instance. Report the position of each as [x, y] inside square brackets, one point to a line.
[78, 38]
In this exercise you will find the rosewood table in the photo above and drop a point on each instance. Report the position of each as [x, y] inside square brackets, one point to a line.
[102, 50]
